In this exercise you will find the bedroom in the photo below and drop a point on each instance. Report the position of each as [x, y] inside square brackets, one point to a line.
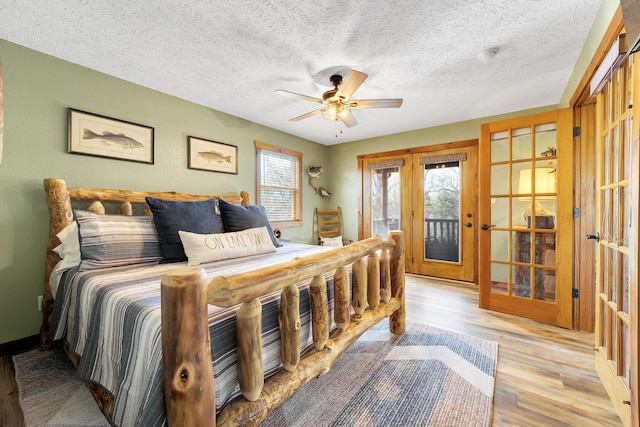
[35, 106]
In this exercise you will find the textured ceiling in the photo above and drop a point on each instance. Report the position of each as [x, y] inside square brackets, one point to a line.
[231, 55]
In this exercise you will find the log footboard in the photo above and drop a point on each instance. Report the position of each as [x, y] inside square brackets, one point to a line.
[377, 292]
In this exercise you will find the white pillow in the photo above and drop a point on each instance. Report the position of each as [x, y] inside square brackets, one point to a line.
[201, 248]
[69, 248]
[332, 241]
[69, 251]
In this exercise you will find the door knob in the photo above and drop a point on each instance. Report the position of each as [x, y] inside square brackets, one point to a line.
[486, 227]
[595, 237]
[468, 224]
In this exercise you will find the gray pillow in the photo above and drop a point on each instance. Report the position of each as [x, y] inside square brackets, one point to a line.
[170, 216]
[238, 218]
[116, 240]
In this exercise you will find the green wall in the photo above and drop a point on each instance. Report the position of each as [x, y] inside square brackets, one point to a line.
[38, 89]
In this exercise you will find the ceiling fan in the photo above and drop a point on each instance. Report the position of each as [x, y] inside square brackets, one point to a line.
[337, 101]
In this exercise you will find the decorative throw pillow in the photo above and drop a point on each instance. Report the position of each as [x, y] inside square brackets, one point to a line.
[116, 240]
[201, 248]
[238, 218]
[170, 216]
[331, 241]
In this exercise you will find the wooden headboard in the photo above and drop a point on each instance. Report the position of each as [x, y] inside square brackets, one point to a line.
[60, 202]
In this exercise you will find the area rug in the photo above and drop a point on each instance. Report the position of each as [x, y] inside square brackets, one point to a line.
[49, 394]
[427, 377]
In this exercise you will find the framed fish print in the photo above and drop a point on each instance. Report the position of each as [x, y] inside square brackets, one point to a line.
[212, 156]
[100, 136]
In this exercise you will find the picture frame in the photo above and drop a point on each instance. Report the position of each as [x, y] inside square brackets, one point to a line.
[212, 156]
[100, 136]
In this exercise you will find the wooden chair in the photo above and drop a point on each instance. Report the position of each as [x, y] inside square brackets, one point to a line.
[328, 224]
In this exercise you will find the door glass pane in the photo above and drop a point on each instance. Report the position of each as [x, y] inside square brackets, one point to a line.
[521, 143]
[625, 215]
[441, 183]
[499, 179]
[604, 266]
[519, 208]
[606, 205]
[385, 200]
[615, 230]
[545, 289]
[625, 362]
[613, 348]
[522, 246]
[615, 146]
[521, 281]
[499, 278]
[546, 137]
[500, 245]
[626, 150]
[615, 255]
[500, 212]
[499, 147]
[625, 283]
[546, 249]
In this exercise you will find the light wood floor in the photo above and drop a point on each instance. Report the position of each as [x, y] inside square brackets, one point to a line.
[545, 377]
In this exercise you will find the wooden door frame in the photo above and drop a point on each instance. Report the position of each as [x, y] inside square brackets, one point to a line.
[584, 181]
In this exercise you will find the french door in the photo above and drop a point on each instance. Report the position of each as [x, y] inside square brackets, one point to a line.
[525, 236]
[616, 237]
[430, 194]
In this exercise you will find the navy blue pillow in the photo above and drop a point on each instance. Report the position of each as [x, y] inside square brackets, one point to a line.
[238, 218]
[170, 216]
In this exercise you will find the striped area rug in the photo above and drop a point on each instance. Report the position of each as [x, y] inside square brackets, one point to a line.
[427, 377]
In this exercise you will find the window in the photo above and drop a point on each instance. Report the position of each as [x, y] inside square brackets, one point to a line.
[279, 189]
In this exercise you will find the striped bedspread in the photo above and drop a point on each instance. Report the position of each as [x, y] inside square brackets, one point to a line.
[111, 318]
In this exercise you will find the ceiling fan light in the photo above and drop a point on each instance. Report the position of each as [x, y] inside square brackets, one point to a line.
[335, 111]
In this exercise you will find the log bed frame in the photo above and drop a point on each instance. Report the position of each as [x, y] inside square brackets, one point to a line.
[373, 291]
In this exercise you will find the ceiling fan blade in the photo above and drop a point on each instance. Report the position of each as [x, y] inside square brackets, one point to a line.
[298, 96]
[376, 103]
[349, 120]
[351, 84]
[304, 116]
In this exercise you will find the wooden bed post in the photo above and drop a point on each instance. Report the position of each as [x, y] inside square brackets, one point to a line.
[373, 281]
[319, 311]
[249, 344]
[186, 349]
[359, 288]
[341, 294]
[397, 321]
[289, 322]
[60, 215]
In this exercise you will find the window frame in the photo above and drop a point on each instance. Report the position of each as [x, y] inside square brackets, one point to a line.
[296, 221]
